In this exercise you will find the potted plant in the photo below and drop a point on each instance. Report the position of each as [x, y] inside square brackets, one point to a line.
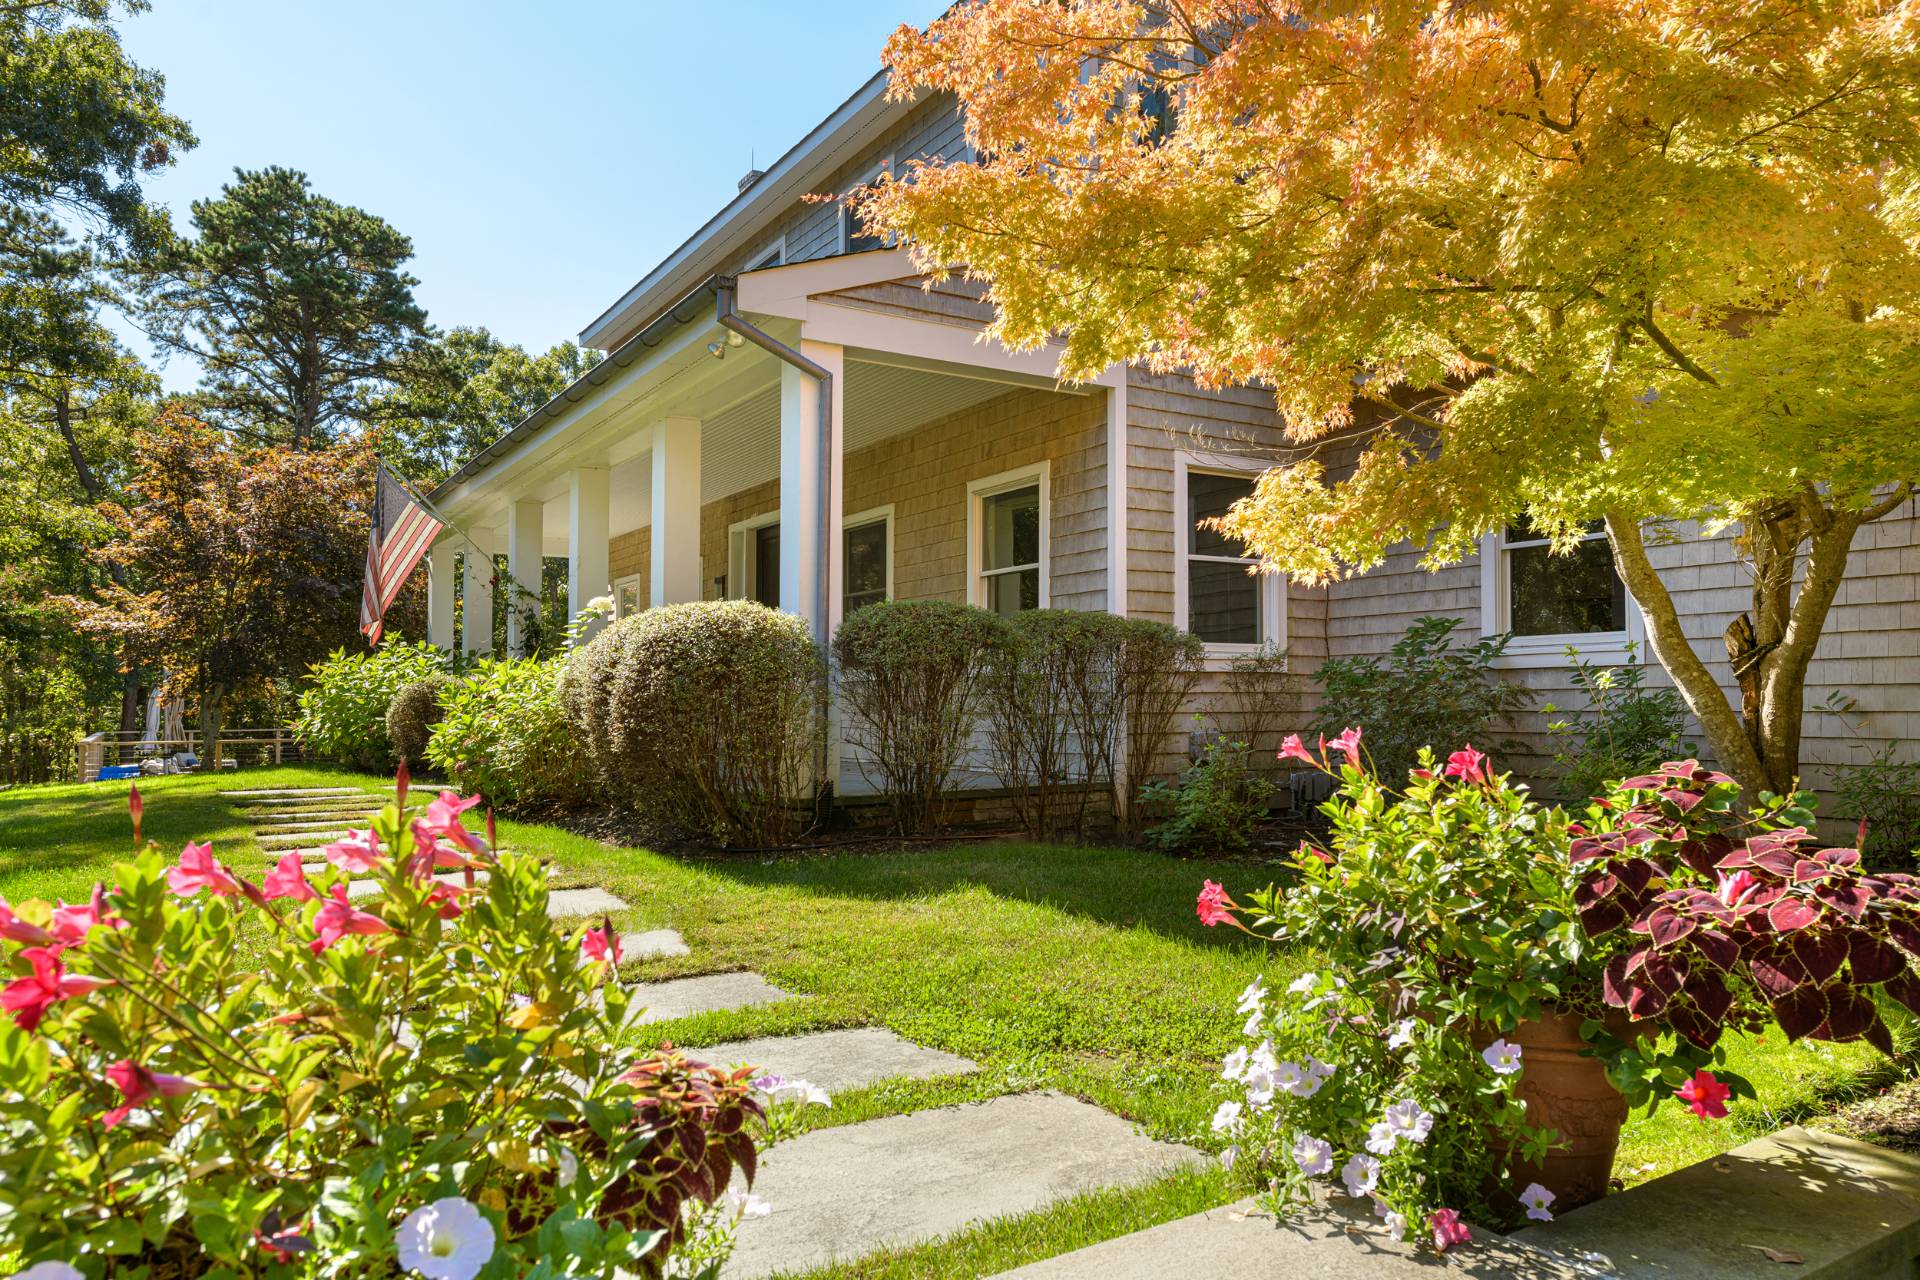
[1491, 986]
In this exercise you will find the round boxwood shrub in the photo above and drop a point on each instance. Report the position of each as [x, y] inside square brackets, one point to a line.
[705, 716]
[413, 713]
[911, 688]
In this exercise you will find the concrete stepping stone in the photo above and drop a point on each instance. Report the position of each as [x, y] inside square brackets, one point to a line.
[837, 1060]
[272, 792]
[1243, 1242]
[293, 825]
[838, 1194]
[562, 903]
[367, 888]
[299, 839]
[1838, 1207]
[653, 944]
[683, 997]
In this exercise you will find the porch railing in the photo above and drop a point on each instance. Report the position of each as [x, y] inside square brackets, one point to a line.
[242, 746]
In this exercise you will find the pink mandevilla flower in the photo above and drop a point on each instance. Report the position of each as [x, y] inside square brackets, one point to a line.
[1467, 765]
[447, 897]
[1348, 744]
[29, 998]
[601, 944]
[1214, 904]
[288, 879]
[72, 923]
[359, 852]
[338, 918]
[1736, 888]
[14, 929]
[136, 1084]
[136, 807]
[1705, 1095]
[198, 870]
[1294, 749]
[443, 818]
[1448, 1230]
[429, 852]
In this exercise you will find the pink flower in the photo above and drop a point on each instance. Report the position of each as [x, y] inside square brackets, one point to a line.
[602, 944]
[402, 778]
[1737, 888]
[1349, 743]
[288, 879]
[198, 870]
[136, 807]
[1214, 905]
[359, 852]
[1448, 1230]
[449, 899]
[338, 918]
[430, 853]
[29, 998]
[1294, 749]
[443, 819]
[72, 924]
[1467, 765]
[1705, 1095]
[136, 1084]
[14, 929]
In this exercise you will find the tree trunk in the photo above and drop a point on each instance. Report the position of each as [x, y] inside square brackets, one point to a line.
[1783, 667]
[212, 710]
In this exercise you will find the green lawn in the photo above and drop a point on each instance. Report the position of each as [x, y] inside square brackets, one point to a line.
[1083, 970]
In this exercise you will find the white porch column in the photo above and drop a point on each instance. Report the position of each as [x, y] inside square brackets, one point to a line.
[587, 574]
[675, 551]
[526, 520]
[476, 593]
[810, 512]
[440, 592]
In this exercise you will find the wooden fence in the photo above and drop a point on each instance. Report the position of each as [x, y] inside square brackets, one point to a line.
[241, 747]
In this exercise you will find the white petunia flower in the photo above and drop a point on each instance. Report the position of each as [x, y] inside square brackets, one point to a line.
[1253, 997]
[569, 1168]
[1537, 1198]
[1409, 1121]
[1304, 984]
[1259, 1087]
[1361, 1174]
[1381, 1139]
[1503, 1057]
[744, 1204]
[1297, 1080]
[1315, 1067]
[1402, 1034]
[1235, 1066]
[1263, 1058]
[1226, 1117]
[447, 1240]
[1255, 1020]
[1313, 1155]
[781, 1089]
[1229, 1158]
[50, 1270]
[1396, 1225]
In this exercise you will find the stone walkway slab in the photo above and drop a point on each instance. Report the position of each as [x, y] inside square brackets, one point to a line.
[367, 888]
[1843, 1207]
[1243, 1242]
[837, 1060]
[327, 822]
[682, 997]
[652, 945]
[562, 903]
[837, 1194]
[320, 798]
[270, 792]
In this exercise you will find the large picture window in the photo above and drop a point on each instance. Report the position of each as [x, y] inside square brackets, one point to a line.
[1215, 596]
[1007, 541]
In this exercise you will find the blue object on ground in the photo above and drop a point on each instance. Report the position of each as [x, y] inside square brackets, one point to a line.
[115, 772]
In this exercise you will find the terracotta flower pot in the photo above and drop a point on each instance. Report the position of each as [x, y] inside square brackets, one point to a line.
[1568, 1092]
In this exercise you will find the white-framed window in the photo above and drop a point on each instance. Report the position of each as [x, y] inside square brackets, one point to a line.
[772, 254]
[629, 595]
[1215, 596]
[1007, 541]
[853, 238]
[1550, 601]
[753, 558]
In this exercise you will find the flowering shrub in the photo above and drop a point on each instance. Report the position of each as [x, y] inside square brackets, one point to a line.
[343, 708]
[207, 1073]
[503, 732]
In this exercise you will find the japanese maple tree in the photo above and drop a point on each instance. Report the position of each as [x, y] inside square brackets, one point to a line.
[1637, 263]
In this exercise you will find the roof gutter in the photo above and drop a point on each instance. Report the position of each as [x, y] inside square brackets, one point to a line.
[690, 307]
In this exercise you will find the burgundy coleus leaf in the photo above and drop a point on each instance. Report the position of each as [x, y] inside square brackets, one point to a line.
[1635, 873]
[1683, 799]
[1820, 954]
[1790, 913]
[1878, 1036]
[1777, 976]
[1665, 973]
[1849, 1011]
[1872, 961]
[1700, 903]
[1801, 1012]
[1690, 1024]
[1644, 1000]
[1595, 889]
[1906, 934]
[1603, 917]
[1613, 979]
[1844, 896]
[1668, 927]
[1716, 948]
[1808, 870]
[1905, 988]
[1700, 855]
[1710, 995]
[1609, 844]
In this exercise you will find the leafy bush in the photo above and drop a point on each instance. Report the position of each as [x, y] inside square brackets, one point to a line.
[1216, 804]
[503, 732]
[708, 716]
[1884, 796]
[1628, 728]
[413, 713]
[1157, 671]
[343, 709]
[1257, 693]
[43, 715]
[910, 685]
[283, 1082]
[1425, 692]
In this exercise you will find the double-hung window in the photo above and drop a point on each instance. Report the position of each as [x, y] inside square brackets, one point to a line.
[866, 564]
[1007, 539]
[1217, 596]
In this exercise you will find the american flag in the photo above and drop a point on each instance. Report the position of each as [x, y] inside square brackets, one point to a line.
[402, 532]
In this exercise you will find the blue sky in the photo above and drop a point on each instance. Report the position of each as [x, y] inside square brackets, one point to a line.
[540, 158]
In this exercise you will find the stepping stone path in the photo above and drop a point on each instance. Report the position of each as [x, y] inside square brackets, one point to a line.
[681, 997]
[837, 1060]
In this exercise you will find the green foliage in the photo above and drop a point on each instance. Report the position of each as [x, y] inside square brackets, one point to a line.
[706, 716]
[503, 733]
[910, 683]
[343, 709]
[43, 713]
[281, 1080]
[1884, 795]
[1426, 692]
[413, 713]
[1155, 670]
[1627, 728]
[297, 307]
[1216, 804]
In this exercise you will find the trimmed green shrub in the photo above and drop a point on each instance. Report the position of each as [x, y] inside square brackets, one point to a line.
[503, 733]
[413, 713]
[343, 709]
[1215, 805]
[1425, 692]
[910, 687]
[1158, 669]
[707, 716]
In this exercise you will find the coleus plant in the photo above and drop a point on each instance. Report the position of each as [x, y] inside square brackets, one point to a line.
[1732, 917]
